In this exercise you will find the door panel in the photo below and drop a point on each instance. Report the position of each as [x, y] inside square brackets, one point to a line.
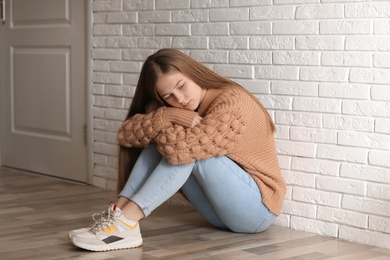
[43, 87]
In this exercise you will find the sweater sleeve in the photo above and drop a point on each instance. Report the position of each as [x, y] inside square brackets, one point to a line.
[216, 135]
[140, 129]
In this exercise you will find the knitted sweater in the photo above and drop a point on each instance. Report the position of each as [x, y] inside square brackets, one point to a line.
[233, 125]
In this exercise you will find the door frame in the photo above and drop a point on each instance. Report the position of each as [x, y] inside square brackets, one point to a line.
[88, 90]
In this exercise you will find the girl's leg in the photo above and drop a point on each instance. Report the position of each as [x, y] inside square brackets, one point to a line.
[146, 163]
[231, 193]
[165, 180]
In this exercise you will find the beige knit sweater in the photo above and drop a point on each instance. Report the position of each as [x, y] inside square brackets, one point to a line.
[233, 125]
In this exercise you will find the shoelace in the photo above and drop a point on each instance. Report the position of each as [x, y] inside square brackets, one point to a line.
[103, 220]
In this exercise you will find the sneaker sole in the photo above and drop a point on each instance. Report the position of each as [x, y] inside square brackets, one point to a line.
[123, 244]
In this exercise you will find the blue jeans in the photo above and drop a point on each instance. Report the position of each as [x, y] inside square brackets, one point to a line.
[218, 188]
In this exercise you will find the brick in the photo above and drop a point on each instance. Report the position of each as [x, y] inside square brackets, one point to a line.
[271, 42]
[210, 56]
[282, 132]
[254, 86]
[210, 29]
[138, 30]
[172, 4]
[107, 149]
[190, 16]
[361, 139]
[112, 102]
[348, 122]
[284, 162]
[250, 28]
[378, 191]
[326, 167]
[317, 104]
[282, 220]
[314, 135]
[234, 71]
[295, 148]
[294, 88]
[381, 224]
[275, 102]
[382, 27]
[345, 27]
[365, 172]
[107, 78]
[314, 226]
[316, 197]
[105, 6]
[376, 76]
[138, 5]
[154, 42]
[115, 114]
[189, 43]
[345, 217]
[342, 153]
[319, 11]
[154, 17]
[250, 57]
[136, 55]
[295, 27]
[106, 125]
[320, 43]
[119, 90]
[106, 54]
[209, 4]
[362, 10]
[121, 17]
[271, 13]
[366, 108]
[100, 65]
[382, 60]
[382, 125]
[296, 58]
[107, 29]
[229, 15]
[298, 118]
[368, 43]
[100, 159]
[299, 209]
[121, 42]
[125, 66]
[229, 42]
[347, 91]
[249, 2]
[379, 158]
[324, 74]
[276, 72]
[172, 29]
[341, 185]
[367, 205]
[349, 59]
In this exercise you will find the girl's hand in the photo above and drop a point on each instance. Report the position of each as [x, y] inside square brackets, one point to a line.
[197, 120]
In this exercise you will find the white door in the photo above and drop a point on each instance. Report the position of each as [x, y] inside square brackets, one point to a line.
[43, 87]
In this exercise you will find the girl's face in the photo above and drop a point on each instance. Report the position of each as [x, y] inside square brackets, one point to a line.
[179, 91]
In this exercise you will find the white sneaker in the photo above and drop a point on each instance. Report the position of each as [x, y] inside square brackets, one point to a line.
[112, 231]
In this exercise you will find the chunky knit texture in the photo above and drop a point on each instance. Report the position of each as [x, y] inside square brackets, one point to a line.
[233, 125]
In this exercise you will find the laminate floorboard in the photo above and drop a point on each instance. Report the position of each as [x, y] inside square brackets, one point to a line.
[37, 212]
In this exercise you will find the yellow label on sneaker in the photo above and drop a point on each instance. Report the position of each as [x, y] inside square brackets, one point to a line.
[111, 229]
[129, 226]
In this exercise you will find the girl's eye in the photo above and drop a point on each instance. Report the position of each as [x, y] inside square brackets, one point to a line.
[167, 96]
[182, 86]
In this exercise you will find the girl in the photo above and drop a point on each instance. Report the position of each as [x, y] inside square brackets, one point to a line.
[190, 129]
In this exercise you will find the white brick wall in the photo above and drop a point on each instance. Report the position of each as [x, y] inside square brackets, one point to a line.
[320, 67]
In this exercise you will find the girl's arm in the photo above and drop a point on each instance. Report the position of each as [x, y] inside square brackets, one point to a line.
[140, 129]
[216, 135]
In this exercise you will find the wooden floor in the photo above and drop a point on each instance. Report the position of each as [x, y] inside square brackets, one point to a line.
[37, 212]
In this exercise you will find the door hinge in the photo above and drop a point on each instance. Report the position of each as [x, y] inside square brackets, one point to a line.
[85, 134]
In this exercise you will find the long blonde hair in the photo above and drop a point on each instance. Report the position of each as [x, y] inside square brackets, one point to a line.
[161, 62]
